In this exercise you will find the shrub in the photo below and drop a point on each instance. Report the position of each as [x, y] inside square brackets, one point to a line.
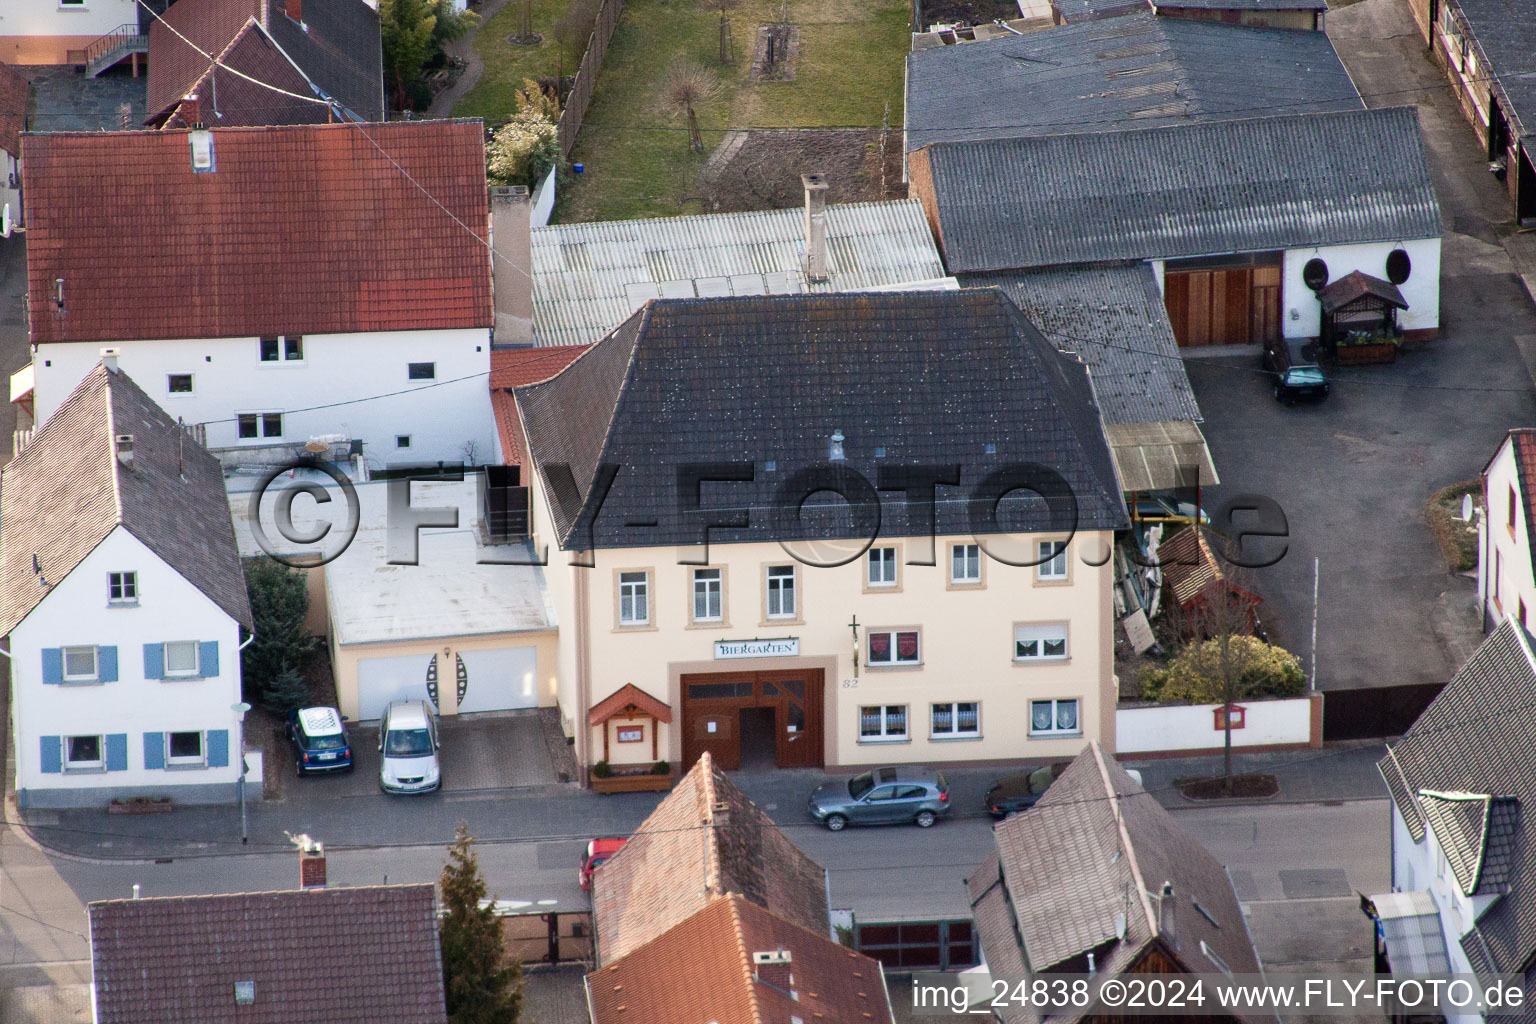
[602, 770]
[525, 148]
[661, 768]
[1261, 670]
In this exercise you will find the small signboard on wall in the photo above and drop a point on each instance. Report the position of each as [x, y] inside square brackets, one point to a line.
[1238, 711]
[631, 733]
[788, 647]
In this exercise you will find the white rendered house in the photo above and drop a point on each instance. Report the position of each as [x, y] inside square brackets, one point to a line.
[124, 601]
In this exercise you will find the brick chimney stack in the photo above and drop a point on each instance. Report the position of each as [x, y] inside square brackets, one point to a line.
[512, 265]
[815, 226]
[295, 9]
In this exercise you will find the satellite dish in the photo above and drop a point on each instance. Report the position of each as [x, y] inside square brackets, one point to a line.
[1315, 274]
[1399, 266]
[1466, 508]
[6, 227]
[1120, 924]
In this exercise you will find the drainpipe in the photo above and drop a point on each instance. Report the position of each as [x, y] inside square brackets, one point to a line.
[246, 644]
[583, 682]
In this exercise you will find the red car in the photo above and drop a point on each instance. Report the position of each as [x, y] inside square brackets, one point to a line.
[598, 850]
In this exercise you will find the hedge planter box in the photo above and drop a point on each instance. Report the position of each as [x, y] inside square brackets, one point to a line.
[1366, 355]
[140, 805]
[642, 783]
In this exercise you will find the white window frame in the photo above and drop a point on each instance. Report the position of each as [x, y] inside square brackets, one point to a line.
[895, 658]
[1052, 568]
[781, 587]
[431, 366]
[261, 425]
[1055, 703]
[402, 441]
[126, 582]
[701, 588]
[635, 591]
[870, 564]
[954, 732]
[191, 385]
[165, 656]
[1040, 634]
[185, 761]
[97, 765]
[885, 735]
[94, 676]
[969, 567]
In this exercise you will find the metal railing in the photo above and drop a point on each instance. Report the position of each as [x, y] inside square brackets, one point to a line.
[122, 40]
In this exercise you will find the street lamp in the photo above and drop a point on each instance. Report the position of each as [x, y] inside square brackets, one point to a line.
[240, 709]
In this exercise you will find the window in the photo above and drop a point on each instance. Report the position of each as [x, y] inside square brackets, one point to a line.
[260, 424]
[181, 658]
[1040, 643]
[421, 371]
[965, 563]
[84, 753]
[1512, 506]
[79, 664]
[288, 348]
[1053, 560]
[179, 383]
[402, 440]
[184, 748]
[293, 347]
[1053, 717]
[707, 605]
[781, 592]
[881, 571]
[270, 349]
[634, 598]
[954, 721]
[894, 647]
[883, 722]
[123, 587]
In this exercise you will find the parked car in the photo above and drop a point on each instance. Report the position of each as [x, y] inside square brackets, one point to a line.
[408, 748]
[1293, 363]
[1020, 790]
[320, 741]
[883, 796]
[598, 850]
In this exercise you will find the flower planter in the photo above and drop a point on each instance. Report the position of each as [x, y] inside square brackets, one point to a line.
[641, 783]
[140, 805]
[1366, 355]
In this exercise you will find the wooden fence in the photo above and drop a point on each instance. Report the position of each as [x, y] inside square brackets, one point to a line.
[586, 76]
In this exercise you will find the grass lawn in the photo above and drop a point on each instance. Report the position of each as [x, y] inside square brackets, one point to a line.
[635, 150]
[506, 66]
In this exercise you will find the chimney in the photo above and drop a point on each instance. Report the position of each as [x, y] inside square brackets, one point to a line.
[109, 359]
[773, 968]
[295, 10]
[835, 448]
[815, 226]
[124, 447]
[720, 814]
[1166, 921]
[512, 265]
[311, 862]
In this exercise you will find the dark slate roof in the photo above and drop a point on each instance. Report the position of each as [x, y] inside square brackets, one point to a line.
[1084, 867]
[67, 491]
[1138, 71]
[1355, 285]
[1071, 11]
[1505, 30]
[927, 377]
[362, 954]
[1248, 5]
[1111, 316]
[1191, 190]
[1451, 749]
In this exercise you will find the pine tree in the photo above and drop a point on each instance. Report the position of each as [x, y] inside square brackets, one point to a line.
[279, 602]
[483, 987]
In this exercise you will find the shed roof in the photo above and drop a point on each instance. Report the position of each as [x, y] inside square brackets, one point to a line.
[15, 94]
[1073, 11]
[512, 368]
[1248, 5]
[589, 277]
[1356, 285]
[1253, 185]
[628, 696]
[1138, 71]
[1505, 30]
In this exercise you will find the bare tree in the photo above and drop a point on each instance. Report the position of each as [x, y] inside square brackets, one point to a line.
[724, 7]
[688, 84]
[573, 28]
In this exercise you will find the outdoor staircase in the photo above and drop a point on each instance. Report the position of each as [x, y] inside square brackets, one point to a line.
[106, 52]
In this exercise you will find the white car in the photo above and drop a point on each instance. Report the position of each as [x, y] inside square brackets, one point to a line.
[408, 748]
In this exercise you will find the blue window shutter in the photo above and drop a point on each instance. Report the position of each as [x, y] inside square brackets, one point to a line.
[117, 752]
[53, 755]
[154, 750]
[154, 661]
[106, 664]
[53, 665]
[218, 748]
[208, 658]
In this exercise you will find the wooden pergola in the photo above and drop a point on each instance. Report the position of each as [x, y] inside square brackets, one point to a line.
[629, 701]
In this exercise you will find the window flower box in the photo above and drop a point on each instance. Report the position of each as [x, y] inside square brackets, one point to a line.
[140, 805]
[640, 778]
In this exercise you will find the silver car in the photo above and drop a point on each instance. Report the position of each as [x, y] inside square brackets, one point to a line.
[882, 796]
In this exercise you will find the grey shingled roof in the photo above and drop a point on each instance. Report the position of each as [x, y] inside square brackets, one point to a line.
[1249, 5]
[1111, 316]
[924, 377]
[1072, 11]
[354, 955]
[1455, 748]
[1505, 30]
[1138, 71]
[1191, 190]
[1075, 887]
[67, 491]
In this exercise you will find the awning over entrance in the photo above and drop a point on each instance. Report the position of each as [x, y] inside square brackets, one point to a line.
[1410, 926]
[629, 701]
[1160, 456]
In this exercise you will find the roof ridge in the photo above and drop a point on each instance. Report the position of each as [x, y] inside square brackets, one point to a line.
[1125, 838]
[734, 911]
[712, 883]
[644, 320]
[113, 465]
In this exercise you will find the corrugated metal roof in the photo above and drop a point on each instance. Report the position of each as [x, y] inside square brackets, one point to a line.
[1137, 71]
[1093, 10]
[1250, 5]
[1110, 316]
[589, 278]
[1505, 30]
[1254, 185]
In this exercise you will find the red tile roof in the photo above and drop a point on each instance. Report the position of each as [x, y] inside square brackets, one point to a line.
[310, 229]
[628, 695]
[703, 970]
[228, 100]
[514, 367]
[15, 91]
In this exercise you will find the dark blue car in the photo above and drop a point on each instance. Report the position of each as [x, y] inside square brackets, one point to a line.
[320, 740]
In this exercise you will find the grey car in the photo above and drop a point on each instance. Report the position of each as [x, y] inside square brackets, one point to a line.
[882, 796]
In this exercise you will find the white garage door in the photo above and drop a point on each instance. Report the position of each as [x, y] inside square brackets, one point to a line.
[381, 680]
[498, 679]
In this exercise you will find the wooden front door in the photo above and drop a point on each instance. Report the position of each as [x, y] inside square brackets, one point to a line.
[797, 716]
[1209, 307]
[1265, 305]
[712, 718]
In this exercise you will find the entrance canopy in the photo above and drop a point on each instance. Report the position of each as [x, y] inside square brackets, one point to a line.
[1410, 926]
[629, 701]
[1355, 286]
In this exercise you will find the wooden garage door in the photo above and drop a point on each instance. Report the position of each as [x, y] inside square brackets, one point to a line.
[1211, 307]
